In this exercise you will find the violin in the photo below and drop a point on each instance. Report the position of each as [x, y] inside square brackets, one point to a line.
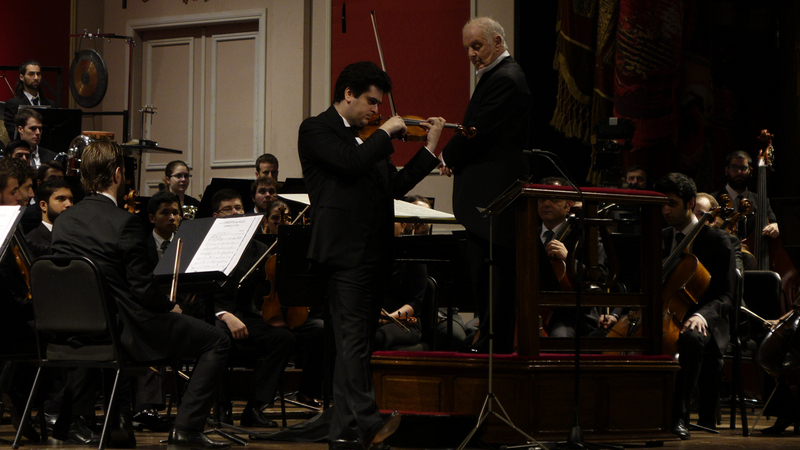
[414, 132]
[779, 352]
[22, 260]
[131, 201]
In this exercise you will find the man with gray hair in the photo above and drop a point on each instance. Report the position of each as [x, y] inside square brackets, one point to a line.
[484, 166]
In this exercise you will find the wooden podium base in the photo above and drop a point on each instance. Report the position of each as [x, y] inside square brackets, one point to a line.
[622, 398]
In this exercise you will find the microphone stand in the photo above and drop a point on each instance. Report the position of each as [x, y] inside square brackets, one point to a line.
[496, 207]
[575, 438]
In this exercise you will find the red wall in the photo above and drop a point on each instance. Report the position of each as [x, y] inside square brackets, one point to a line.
[421, 42]
[35, 30]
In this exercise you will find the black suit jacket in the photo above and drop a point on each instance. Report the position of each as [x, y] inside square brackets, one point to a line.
[351, 188]
[39, 240]
[115, 240]
[713, 249]
[487, 164]
[11, 108]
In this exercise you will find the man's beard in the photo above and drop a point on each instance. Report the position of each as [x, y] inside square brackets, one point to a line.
[31, 87]
[51, 215]
[737, 183]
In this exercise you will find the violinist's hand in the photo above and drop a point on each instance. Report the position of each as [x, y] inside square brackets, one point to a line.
[238, 329]
[695, 323]
[443, 169]
[771, 230]
[177, 309]
[607, 321]
[434, 126]
[770, 324]
[394, 125]
[556, 249]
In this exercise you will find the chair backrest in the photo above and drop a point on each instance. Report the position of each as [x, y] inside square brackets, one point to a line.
[68, 295]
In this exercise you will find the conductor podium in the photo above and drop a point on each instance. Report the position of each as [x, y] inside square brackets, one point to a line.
[624, 398]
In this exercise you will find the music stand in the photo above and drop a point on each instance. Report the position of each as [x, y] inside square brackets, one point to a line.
[496, 207]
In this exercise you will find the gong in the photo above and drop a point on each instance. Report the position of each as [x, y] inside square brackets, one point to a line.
[88, 78]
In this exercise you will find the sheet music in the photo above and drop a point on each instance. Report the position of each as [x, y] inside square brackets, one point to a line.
[8, 215]
[402, 209]
[224, 244]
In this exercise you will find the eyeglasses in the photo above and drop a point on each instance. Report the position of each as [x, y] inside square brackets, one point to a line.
[735, 168]
[228, 209]
[181, 176]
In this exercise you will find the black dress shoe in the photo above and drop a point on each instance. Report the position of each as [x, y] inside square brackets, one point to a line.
[781, 424]
[150, 419]
[378, 433]
[680, 429]
[253, 417]
[50, 422]
[345, 444]
[194, 439]
[77, 433]
[224, 411]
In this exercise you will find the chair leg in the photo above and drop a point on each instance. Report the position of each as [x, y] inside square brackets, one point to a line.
[27, 409]
[104, 435]
[283, 401]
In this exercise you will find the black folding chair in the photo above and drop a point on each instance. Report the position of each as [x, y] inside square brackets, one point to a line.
[76, 324]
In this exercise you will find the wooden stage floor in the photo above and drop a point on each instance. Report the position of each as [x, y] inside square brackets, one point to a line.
[727, 439]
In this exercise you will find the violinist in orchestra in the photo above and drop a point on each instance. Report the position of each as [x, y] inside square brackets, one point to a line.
[16, 321]
[267, 166]
[738, 171]
[351, 184]
[704, 335]
[163, 210]
[557, 239]
[153, 327]
[263, 191]
[278, 213]
[484, 166]
[237, 311]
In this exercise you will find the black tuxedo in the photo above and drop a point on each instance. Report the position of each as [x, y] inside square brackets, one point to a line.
[713, 249]
[351, 188]
[484, 167]
[39, 240]
[115, 241]
[45, 155]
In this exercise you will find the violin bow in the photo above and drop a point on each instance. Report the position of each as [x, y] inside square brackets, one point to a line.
[173, 292]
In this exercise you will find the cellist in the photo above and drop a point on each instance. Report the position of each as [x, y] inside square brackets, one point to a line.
[705, 332]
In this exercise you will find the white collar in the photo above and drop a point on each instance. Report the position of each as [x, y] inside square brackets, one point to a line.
[109, 196]
[504, 55]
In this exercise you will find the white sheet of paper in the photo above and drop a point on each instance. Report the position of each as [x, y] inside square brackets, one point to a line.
[224, 244]
[402, 209]
[7, 216]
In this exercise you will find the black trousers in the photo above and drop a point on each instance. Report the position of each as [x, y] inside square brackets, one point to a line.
[354, 299]
[701, 365]
[504, 278]
[310, 337]
[270, 346]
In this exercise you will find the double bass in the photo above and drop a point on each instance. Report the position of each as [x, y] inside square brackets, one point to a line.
[769, 253]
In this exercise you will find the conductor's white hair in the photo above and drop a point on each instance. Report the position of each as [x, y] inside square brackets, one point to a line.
[490, 27]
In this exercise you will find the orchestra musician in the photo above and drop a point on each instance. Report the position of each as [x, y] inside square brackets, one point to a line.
[52, 198]
[29, 128]
[267, 166]
[351, 184]
[28, 91]
[705, 333]
[176, 180]
[153, 327]
[238, 316]
[738, 171]
[553, 216]
[484, 166]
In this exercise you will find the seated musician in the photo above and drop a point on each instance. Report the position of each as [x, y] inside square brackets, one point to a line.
[636, 177]
[18, 149]
[152, 326]
[49, 170]
[267, 166]
[403, 300]
[164, 213]
[706, 202]
[263, 191]
[705, 333]
[738, 171]
[176, 180]
[16, 330]
[52, 198]
[237, 310]
[553, 215]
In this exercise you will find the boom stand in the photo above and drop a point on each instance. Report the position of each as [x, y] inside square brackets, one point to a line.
[497, 206]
